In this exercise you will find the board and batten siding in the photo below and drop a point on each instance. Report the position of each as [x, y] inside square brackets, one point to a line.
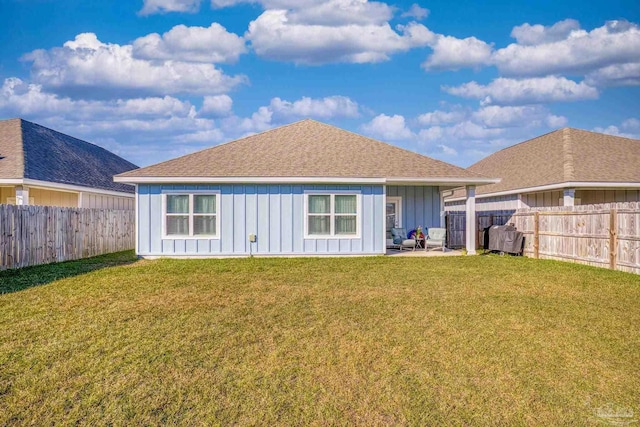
[497, 203]
[274, 213]
[420, 205]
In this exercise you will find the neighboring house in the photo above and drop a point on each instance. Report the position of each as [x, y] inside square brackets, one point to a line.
[39, 166]
[563, 168]
[302, 189]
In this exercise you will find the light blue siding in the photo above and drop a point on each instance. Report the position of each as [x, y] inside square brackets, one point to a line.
[275, 213]
[420, 205]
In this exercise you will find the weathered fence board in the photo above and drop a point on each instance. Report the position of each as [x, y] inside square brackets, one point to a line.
[32, 235]
[606, 235]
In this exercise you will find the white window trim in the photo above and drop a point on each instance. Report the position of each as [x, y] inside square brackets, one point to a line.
[191, 214]
[332, 214]
[398, 201]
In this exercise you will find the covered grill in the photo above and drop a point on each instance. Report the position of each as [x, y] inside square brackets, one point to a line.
[503, 238]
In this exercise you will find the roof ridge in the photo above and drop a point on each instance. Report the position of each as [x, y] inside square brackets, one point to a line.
[567, 155]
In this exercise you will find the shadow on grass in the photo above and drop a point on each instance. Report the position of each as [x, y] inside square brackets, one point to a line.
[23, 278]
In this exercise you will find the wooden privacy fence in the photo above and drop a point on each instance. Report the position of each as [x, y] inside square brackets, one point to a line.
[606, 235]
[456, 225]
[32, 235]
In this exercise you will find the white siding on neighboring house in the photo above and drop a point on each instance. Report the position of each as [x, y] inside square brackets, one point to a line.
[546, 199]
[499, 203]
[593, 197]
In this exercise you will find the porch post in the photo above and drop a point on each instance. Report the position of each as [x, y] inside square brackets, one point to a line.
[442, 210]
[569, 197]
[470, 234]
[22, 195]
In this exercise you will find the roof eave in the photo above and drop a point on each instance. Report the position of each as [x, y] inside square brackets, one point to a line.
[435, 181]
[584, 185]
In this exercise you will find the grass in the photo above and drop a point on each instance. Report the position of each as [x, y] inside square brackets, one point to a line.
[367, 341]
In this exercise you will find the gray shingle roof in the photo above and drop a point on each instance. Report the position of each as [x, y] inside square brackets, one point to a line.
[565, 155]
[305, 149]
[31, 151]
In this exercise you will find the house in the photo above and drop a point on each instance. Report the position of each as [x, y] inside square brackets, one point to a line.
[39, 166]
[307, 188]
[563, 168]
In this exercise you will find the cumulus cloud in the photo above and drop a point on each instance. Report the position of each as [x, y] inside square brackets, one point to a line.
[18, 98]
[321, 108]
[439, 117]
[216, 106]
[390, 128]
[579, 52]
[163, 6]
[525, 91]
[88, 63]
[517, 116]
[416, 11]
[192, 44]
[451, 53]
[629, 128]
[615, 75]
[471, 134]
[531, 35]
[274, 36]
[280, 111]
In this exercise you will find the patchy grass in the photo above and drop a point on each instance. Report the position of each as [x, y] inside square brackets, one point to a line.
[367, 341]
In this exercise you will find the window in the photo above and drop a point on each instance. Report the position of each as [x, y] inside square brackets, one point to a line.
[191, 215]
[332, 215]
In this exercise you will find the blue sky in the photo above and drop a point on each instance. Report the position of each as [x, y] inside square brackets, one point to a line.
[154, 79]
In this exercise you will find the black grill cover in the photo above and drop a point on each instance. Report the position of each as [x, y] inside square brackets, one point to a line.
[505, 238]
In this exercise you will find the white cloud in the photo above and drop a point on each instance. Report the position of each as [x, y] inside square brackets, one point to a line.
[390, 128]
[439, 117]
[531, 35]
[580, 52]
[416, 11]
[469, 135]
[336, 13]
[555, 122]
[516, 116]
[192, 44]
[632, 125]
[629, 128]
[449, 151]
[216, 106]
[280, 111]
[616, 75]
[88, 63]
[18, 98]
[525, 91]
[274, 36]
[164, 6]
[451, 53]
[322, 108]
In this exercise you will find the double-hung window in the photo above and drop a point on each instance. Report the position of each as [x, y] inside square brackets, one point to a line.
[191, 215]
[332, 215]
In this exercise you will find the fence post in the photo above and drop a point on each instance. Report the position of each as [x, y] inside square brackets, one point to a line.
[536, 235]
[613, 239]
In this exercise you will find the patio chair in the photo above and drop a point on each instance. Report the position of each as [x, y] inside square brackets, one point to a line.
[400, 239]
[436, 238]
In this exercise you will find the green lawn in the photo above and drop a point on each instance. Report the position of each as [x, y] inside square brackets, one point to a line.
[482, 340]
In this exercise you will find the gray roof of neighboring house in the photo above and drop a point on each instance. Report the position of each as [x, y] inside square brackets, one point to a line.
[31, 151]
[565, 155]
[305, 149]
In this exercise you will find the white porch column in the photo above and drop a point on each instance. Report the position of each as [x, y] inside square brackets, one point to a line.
[22, 195]
[569, 197]
[470, 234]
[442, 210]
